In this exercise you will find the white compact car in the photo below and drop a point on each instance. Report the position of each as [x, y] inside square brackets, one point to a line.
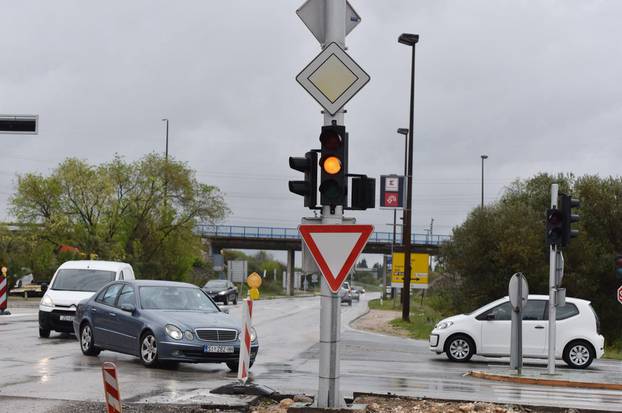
[486, 331]
[73, 282]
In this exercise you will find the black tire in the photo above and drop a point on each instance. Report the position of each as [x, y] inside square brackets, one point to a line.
[44, 332]
[579, 354]
[225, 300]
[87, 341]
[234, 366]
[148, 350]
[235, 299]
[350, 302]
[460, 348]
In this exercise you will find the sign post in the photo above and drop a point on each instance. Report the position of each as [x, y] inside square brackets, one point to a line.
[552, 290]
[335, 249]
[518, 291]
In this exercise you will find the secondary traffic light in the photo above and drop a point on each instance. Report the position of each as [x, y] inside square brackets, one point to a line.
[334, 166]
[567, 203]
[554, 226]
[618, 264]
[308, 187]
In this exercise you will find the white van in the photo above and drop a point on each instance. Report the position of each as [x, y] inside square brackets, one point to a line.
[73, 282]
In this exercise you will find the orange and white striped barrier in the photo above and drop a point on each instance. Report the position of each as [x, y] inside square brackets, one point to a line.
[3, 295]
[245, 340]
[111, 388]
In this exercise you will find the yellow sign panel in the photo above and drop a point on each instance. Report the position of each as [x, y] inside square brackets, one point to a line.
[254, 293]
[419, 264]
[254, 280]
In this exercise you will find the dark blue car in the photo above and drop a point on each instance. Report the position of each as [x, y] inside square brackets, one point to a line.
[159, 321]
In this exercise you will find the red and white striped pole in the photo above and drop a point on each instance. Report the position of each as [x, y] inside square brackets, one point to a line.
[3, 296]
[245, 340]
[111, 388]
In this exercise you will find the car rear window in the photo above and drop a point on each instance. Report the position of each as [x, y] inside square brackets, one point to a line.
[566, 311]
[81, 280]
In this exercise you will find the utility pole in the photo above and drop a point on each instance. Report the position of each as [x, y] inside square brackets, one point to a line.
[552, 290]
[166, 165]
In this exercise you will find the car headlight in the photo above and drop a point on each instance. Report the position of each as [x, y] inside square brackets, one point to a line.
[188, 335]
[444, 324]
[253, 334]
[173, 332]
[46, 301]
[222, 293]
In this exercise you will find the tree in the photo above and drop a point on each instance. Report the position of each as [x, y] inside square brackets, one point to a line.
[509, 236]
[142, 212]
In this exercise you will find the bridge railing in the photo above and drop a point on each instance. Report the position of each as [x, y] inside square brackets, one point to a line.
[239, 231]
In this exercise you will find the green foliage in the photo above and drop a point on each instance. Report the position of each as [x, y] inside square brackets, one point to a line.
[258, 263]
[509, 236]
[423, 317]
[142, 212]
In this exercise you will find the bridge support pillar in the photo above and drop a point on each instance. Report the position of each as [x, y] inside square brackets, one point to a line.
[290, 271]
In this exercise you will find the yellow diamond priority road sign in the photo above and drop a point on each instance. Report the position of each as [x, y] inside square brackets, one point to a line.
[332, 78]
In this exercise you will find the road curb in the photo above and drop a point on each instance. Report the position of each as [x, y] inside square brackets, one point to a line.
[544, 381]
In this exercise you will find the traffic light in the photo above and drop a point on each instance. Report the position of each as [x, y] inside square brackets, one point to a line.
[334, 166]
[363, 192]
[618, 264]
[554, 226]
[567, 203]
[308, 187]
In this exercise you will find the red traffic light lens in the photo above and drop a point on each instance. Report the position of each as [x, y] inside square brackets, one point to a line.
[331, 140]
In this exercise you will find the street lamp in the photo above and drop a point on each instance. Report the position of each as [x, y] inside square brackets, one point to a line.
[404, 131]
[409, 40]
[483, 157]
[166, 150]
[166, 165]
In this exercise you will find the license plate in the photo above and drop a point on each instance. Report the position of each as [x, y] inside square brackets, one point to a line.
[217, 349]
[66, 318]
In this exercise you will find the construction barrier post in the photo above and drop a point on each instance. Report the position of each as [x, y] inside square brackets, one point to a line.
[3, 295]
[245, 340]
[111, 388]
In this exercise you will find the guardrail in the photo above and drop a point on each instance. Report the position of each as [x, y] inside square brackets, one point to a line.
[239, 231]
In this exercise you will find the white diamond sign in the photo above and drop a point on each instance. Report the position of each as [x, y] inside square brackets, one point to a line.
[332, 78]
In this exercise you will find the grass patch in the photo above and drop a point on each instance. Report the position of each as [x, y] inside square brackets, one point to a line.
[423, 317]
[614, 351]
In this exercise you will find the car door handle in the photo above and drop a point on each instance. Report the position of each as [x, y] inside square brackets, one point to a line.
[539, 327]
[112, 314]
[93, 310]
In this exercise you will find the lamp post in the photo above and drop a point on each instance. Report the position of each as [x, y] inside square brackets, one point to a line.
[166, 164]
[409, 40]
[483, 157]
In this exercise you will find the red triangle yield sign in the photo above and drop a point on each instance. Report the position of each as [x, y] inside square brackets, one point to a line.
[335, 248]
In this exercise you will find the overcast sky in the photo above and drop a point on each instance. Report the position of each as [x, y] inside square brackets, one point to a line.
[535, 85]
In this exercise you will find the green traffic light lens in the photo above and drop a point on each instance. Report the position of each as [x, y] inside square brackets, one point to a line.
[330, 189]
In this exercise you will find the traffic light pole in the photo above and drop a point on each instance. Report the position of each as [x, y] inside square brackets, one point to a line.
[552, 290]
[329, 394]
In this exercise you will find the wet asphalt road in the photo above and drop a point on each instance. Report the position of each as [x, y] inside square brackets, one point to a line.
[37, 374]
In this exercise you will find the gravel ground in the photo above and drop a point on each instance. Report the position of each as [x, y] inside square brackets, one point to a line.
[377, 321]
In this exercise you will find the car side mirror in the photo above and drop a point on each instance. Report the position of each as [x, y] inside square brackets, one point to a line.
[130, 308]
[490, 317]
[224, 310]
[44, 287]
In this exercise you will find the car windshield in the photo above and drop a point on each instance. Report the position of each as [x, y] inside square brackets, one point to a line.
[82, 280]
[216, 284]
[175, 298]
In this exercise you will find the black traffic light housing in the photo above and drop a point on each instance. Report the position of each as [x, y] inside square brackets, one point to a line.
[308, 187]
[554, 226]
[363, 192]
[567, 203]
[618, 267]
[333, 166]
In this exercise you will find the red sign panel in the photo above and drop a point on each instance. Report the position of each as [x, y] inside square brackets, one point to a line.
[335, 249]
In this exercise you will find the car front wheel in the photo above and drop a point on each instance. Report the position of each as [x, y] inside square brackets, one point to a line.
[87, 341]
[578, 354]
[234, 366]
[44, 332]
[149, 350]
[460, 348]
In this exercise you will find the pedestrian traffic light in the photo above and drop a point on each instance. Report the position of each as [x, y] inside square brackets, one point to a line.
[567, 203]
[308, 187]
[554, 226]
[334, 166]
[618, 264]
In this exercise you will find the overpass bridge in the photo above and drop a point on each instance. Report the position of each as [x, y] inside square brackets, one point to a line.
[220, 237]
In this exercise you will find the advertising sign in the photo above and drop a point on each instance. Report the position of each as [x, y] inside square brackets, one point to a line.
[391, 191]
[419, 264]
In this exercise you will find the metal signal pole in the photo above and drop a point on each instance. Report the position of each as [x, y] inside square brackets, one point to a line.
[329, 394]
[552, 290]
